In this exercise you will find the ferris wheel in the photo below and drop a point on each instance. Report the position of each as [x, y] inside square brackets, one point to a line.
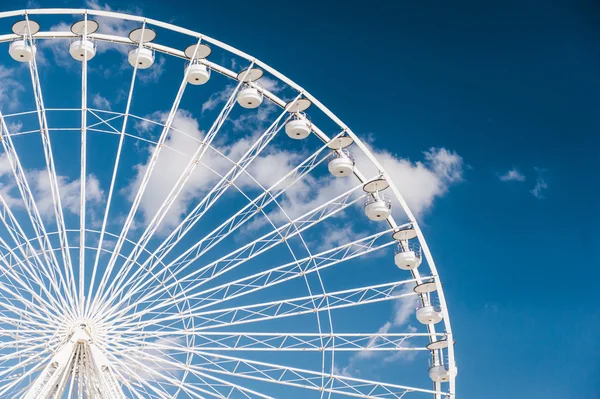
[181, 220]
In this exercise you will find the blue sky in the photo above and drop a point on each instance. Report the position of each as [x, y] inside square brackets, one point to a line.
[512, 87]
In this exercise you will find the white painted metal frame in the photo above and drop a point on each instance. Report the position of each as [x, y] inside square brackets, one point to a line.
[196, 310]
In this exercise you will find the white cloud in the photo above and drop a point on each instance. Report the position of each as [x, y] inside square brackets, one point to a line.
[93, 192]
[512, 175]
[39, 183]
[154, 362]
[369, 354]
[8, 190]
[404, 307]
[254, 122]
[170, 165]
[101, 102]
[420, 183]
[540, 183]
[14, 127]
[272, 85]
[4, 164]
[266, 169]
[69, 192]
[144, 125]
[59, 49]
[539, 188]
[273, 165]
[343, 372]
[336, 236]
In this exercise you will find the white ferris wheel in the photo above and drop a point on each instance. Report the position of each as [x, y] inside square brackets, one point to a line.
[214, 231]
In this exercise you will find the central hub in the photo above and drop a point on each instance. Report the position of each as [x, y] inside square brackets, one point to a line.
[79, 351]
[84, 325]
[83, 328]
[80, 336]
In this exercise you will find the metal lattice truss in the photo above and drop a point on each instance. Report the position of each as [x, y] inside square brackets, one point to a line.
[252, 293]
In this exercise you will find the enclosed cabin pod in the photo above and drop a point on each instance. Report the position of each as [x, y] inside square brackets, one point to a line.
[439, 365]
[20, 50]
[251, 94]
[408, 254]
[196, 70]
[429, 314]
[439, 371]
[378, 206]
[83, 47]
[141, 57]
[23, 49]
[341, 163]
[299, 126]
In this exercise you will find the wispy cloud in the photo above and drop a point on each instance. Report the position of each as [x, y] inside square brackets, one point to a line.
[14, 127]
[217, 98]
[540, 184]
[539, 188]
[101, 102]
[272, 85]
[255, 121]
[512, 175]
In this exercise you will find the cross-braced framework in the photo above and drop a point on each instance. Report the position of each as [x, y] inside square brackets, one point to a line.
[232, 283]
